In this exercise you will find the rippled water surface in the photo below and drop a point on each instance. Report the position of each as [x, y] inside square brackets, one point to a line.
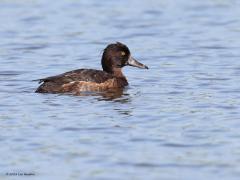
[178, 120]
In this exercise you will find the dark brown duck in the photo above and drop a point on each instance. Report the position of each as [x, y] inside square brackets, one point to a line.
[114, 58]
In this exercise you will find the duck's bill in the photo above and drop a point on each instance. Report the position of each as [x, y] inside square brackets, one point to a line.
[133, 62]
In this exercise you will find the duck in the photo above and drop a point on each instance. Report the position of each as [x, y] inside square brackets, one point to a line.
[115, 56]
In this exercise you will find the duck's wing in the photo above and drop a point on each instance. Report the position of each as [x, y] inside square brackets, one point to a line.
[87, 75]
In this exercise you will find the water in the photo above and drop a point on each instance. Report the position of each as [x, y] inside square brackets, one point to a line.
[177, 120]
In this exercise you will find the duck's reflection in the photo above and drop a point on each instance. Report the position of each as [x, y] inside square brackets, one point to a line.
[117, 95]
[119, 99]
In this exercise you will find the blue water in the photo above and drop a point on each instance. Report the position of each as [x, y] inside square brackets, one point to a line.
[179, 120]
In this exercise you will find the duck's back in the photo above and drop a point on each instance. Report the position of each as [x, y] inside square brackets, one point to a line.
[80, 80]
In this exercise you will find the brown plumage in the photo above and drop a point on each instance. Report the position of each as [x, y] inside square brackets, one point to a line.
[115, 56]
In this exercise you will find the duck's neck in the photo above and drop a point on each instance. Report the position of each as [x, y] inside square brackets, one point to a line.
[121, 79]
[117, 72]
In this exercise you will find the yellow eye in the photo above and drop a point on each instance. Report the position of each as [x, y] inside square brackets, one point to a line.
[123, 53]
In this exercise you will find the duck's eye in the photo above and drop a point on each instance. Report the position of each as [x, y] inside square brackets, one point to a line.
[123, 53]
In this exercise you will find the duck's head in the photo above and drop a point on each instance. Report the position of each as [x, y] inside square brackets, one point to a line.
[116, 56]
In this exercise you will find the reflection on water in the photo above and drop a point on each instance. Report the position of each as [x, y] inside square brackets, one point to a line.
[179, 120]
[109, 95]
[116, 95]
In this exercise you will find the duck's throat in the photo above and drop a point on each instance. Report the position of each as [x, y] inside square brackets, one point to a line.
[117, 72]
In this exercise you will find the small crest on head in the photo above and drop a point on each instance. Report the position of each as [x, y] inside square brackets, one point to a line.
[124, 49]
[118, 46]
[119, 43]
